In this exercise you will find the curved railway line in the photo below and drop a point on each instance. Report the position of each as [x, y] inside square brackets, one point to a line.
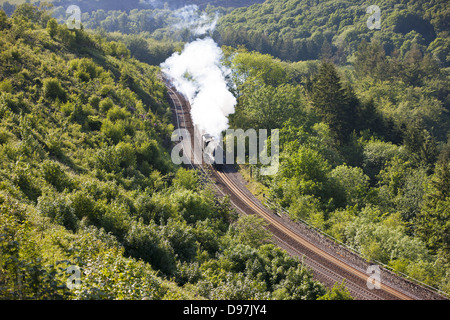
[327, 266]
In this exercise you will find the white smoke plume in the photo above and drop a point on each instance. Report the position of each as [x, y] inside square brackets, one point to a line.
[198, 73]
[190, 17]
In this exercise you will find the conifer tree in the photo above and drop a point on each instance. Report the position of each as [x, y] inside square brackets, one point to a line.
[433, 222]
[335, 103]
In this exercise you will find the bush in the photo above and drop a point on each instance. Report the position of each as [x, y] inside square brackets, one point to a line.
[55, 175]
[3, 20]
[377, 154]
[181, 239]
[113, 130]
[126, 154]
[352, 182]
[186, 179]
[6, 86]
[116, 49]
[94, 101]
[67, 36]
[52, 27]
[58, 208]
[84, 205]
[79, 114]
[85, 69]
[146, 243]
[251, 230]
[192, 206]
[117, 113]
[16, 103]
[107, 159]
[148, 151]
[4, 136]
[24, 178]
[23, 275]
[155, 207]
[67, 108]
[105, 105]
[53, 90]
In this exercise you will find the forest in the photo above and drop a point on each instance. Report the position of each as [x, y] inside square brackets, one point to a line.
[86, 175]
[89, 6]
[365, 144]
[306, 30]
[87, 181]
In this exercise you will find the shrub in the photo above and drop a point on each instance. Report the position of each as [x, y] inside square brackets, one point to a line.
[352, 182]
[58, 208]
[251, 230]
[3, 20]
[113, 130]
[52, 27]
[126, 154]
[67, 36]
[181, 239]
[85, 69]
[67, 108]
[105, 105]
[94, 101]
[24, 178]
[155, 207]
[191, 205]
[79, 114]
[186, 179]
[4, 136]
[107, 159]
[83, 205]
[16, 103]
[117, 49]
[115, 218]
[53, 90]
[148, 151]
[6, 86]
[106, 90]
[23, 275]
[55, 175]
[117, 113]
[145, 242]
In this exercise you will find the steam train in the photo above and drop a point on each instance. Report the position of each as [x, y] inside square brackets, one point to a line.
[213, 152]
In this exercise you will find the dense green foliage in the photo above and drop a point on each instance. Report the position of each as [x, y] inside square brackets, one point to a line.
[86, 181]
[311, 29]
[364, 149]
[88, 5]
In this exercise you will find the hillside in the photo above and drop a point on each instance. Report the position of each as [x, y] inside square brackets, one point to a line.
[364, 118]
[107, 5]
[305, 30]
[86, 177]
[87, 184]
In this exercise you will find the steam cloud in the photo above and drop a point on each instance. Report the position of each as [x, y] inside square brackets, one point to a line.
[189, 17]
[198, 73]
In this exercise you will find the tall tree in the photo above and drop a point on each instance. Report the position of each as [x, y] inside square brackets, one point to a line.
[371, 60]
[335, 103]
[433, 222]
[52, 27]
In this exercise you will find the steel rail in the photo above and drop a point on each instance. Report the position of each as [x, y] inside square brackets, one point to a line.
[284, 230]
[305, 242]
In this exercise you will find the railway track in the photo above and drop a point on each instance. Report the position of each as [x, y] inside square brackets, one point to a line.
[327, 267]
